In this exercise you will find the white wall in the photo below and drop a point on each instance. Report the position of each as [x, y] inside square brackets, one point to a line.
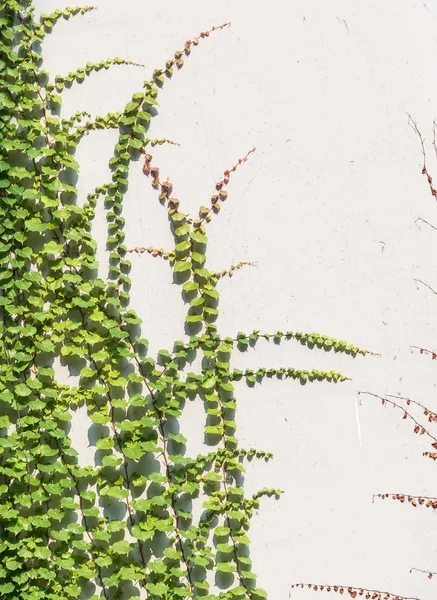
[327, 206]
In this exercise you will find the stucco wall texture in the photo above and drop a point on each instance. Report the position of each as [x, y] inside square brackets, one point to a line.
[327, 206]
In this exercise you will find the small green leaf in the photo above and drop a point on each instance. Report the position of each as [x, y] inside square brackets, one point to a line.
[190, 286]
[209, 383]
[183, 246]
[105, 443]
[4, 421]
[198, 258]
[181, 266]
[133, 452]
[225, 567]
[214, 429]
[258, 593]
[98, 417]
[111, 461]
[213, 476]
[121, 547]
[87, 372]
[131, 107]
[178, 437]
[182, 230]
[157, 589]
[221, 531]
[193, 318]
[22, 390]
[198, 237]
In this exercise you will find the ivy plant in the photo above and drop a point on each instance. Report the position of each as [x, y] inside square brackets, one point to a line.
[123, 527]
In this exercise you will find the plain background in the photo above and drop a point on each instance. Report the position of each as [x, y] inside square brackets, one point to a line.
[327, 206]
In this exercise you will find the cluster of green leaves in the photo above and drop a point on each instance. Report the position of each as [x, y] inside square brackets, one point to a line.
[307, 339]
[79, 75]
[126, 522]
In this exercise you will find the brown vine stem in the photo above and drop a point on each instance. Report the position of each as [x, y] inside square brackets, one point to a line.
[422, 143]
[432, 416]
[434, 136]
[43, 100]
[426, 285]
[166, 464]
[234, 543]
[413, 124]
[427, 222]
[422, 350]
[126, 477]
[84, 519]
[49, 143]
[425, 571]
[19, 429]
[418, 426]
[355, 591]
[44, 109]
[225, 489]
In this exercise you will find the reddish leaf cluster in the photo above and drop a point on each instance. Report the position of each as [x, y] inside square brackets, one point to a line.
[147, 167]
[414, 500]
[223, 194]
[177, 60]
[203, 34]
[432, 455]
[354, 591]
[418, 427]
[429, 414]
[233, 268]
[425, 172]
[153, 251]
[204, 212]
[165, 187]
[227, 173]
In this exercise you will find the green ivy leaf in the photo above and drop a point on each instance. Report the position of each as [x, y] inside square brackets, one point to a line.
[133, 452]
[193, 318]
[225, 567]
[158, 589]
[88, 373]
[182, 266]
[258, 593]
[105, 443]
[209, 383]
[190, 286]
[214, 429]
[111, 461]
[131, 107]
[178, 437]
[198, 237]
[121, 547]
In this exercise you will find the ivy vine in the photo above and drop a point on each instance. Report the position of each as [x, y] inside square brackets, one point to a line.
[59, 538]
